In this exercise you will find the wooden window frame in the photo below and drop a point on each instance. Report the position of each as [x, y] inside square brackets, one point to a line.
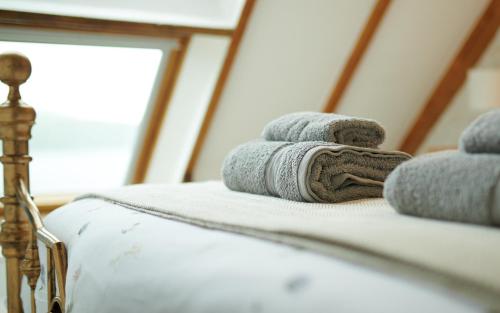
[82, 24]
[179, 33]
[219, 88]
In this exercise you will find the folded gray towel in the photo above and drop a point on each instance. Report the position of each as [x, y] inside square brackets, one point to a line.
[448, 185]
[309, 171]
[314, 126]
[483, 135]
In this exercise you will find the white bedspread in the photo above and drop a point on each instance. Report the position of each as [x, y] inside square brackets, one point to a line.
[142, 263]
[122, 260]
[369, 227]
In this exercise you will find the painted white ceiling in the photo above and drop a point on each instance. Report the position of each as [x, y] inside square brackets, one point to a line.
[213, 13]
[289, 58]
[293, 52]
[413, 48]
[459, 114]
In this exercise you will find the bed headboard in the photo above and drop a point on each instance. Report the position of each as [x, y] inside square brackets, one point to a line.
[22, 227]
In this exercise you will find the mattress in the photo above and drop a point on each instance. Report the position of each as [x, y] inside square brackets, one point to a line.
[367, 231]
[121, 260]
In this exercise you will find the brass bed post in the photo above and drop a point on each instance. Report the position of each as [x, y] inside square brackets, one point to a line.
[16, 120]
[23, 226]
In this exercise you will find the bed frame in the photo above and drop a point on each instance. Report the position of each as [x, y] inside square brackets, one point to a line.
[22, 226]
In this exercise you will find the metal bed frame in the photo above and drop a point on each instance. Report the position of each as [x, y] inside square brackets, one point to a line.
[22, 227]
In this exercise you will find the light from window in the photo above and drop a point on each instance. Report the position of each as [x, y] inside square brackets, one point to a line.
[90, 102]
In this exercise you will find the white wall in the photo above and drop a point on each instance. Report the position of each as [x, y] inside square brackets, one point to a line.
[290, 56]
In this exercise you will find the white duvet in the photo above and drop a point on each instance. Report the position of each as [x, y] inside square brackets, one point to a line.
[142, 263]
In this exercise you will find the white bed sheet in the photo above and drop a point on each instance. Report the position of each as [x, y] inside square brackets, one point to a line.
[124, 261]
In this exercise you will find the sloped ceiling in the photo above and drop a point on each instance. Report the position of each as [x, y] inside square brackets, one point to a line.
[293, 52]
[413, 48]
[446, 132]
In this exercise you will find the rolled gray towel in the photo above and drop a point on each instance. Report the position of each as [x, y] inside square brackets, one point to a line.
[314, 126]
[483, 135]
[448, 185]
[309, 171]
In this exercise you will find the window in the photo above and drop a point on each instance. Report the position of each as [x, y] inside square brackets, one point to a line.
[91, 94]
[202, 13]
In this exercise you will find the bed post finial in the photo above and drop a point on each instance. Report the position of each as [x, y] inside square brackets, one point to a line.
[15, 69]
[16, 120]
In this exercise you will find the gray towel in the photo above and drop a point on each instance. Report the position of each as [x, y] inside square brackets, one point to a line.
[309, 171]
[314, 126]
[483, 135]
[448, 185]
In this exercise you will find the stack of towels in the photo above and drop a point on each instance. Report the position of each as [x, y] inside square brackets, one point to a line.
[313, 157]
[461, 186]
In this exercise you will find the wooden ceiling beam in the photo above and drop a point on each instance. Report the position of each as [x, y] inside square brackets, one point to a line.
[357, 54]
[454, 77]
[92, 25]
[219, 87]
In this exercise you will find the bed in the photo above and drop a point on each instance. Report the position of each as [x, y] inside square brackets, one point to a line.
[202, 248]
[193, 269]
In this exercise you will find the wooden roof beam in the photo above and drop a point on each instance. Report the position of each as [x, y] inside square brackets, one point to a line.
[454, 78]
[357, 54]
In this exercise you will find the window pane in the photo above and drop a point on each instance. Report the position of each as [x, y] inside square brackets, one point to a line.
[90, 102]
